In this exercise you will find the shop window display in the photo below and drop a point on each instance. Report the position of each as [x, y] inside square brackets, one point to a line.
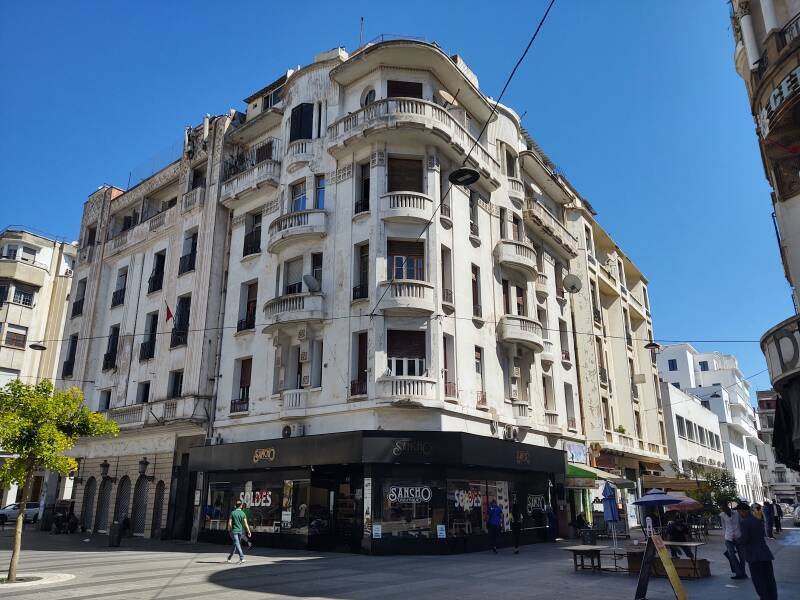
[411, 509]
[467, 507]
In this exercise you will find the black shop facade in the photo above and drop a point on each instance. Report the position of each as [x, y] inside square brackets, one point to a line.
[378, 492]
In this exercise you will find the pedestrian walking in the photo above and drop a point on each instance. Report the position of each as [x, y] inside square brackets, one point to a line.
[237, 524]
[757, 553]
[778, 516]
[494, 522]
[733, 544]
[769, 518]
[758, 513]
[516, 525]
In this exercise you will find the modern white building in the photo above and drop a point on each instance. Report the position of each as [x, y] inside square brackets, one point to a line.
[767, 38]
[693, 433]
[35, 278]
[780, 482]
[716, 380]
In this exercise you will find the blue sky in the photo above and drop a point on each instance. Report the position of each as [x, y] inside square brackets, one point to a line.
[640, 106]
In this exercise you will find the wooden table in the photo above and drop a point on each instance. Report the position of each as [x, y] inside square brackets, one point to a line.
[693, 546]
[593, 552]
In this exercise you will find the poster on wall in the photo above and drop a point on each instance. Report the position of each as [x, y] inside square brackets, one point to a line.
[441, 531]
[504, 503]
[368, 506]
[377, 531]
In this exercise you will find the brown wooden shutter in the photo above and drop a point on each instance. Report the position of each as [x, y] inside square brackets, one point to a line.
[401, 248]
[405, 344]
[245, 372]
[405, 175]
[403, 89]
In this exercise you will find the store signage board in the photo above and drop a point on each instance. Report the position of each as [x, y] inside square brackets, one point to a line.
[656, 545]
[441, 531]
[784, 91]
[368, 506]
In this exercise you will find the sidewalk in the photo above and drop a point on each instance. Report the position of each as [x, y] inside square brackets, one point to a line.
[152, 569]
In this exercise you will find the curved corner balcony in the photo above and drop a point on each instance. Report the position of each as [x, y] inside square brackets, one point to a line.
[300, 225]
[408, 297]
[516, 190]
[395, 113]
[293, 308]
[548, 353]
[516, 255]
[293, 404]
[299, 153]
[406, 207]
[541, 286]
[513, 329]
[267, 172]
[414, 391]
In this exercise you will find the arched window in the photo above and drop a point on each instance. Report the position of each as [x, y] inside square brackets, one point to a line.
[368, 97]
[103, 502]
[139, 509]
[158, 507]
[87, 508]
[123, 499]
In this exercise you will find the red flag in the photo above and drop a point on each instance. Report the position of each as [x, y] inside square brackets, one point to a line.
[169, 312]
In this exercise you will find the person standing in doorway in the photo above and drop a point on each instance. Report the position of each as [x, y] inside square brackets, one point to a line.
[237, 524]
[516, 525]
[769, 518]
[733, 545]
[757, 553]
[495, 521]
[778, 516]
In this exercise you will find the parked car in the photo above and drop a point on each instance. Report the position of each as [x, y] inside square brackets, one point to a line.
[9, 513]
[796, 516]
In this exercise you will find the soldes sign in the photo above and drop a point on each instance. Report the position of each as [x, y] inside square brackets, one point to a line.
[412, 494]
[257, 498]
[467, 499]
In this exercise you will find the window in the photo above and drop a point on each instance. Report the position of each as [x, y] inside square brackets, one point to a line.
[361, 283]
[358, 384]
[587, 231]
[405, 175]
[637, 424]
[272, 98]
[198, 177]
[476, 291]
[368, 97]
[403, 89]
[245, 369]
[143, 392]
[362, 198]
[316, 363]
[252, 236]
[156, 280]
[316, 266]
[16, 336]
[118, 297]
[10, 252]
[548, 393]
[189, 256]
[681, 424]
[294, 276]
[175, 384]
[23, 295]
[180, 329]
[503, 223]
[447, 275]
[511, 164]
[28, 254]
[607, 420]
[506, 297]
[517, 230]
[672, 364]
[298, 196]
[405, 260]
[247, 308]
[301, 123]
[91, 235]
[449, 371]
[675, 384]
[69, 362]
[479, 368]
[704, 365]
[690, 433]
[522, 309]
[701, 436]
[4, 287]
[663, 433]
[319, 197]
[105, 400]
[406, 353]
[569, 399]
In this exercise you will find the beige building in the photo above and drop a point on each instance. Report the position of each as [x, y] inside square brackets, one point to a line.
[35, 279]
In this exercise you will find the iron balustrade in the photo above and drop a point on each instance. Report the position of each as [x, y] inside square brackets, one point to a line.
[118, 297]
[179, 336]
[358, 388]
[252, 242]
[147, 349]
[360, 292]
[248, 322]
[186, 263]
[361, 206]
[77, 307]
[155, 282]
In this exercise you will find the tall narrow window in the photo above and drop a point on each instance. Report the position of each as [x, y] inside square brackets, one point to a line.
[245, 372]
[147, 349]
[247, 314]
[180, 329]
[104, 402]
[189, 256]
[298, 200]
[479, 383]
[294, 276]
[503, 223]
[143, 392]
[301, 122]
[569, 400]
[447, 275]
[319, 196]
[317, 349]
[448, 346]
[252, 236]
[362, 197]
[198, 177]
[477, 311]
[511, 164]
[176, 384]
[156, 279]
[522, 309]
[506, 297]
[316, 266]
[358, 383]
[361, 272]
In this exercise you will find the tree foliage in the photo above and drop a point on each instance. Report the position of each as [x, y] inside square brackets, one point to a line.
[716, 486]
[38, 424]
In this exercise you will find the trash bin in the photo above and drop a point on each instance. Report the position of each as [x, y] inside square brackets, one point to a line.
[115, 534]
[589, 537]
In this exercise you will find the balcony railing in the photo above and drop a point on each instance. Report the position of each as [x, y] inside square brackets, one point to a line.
[358, 388]
[249, 322]
[118, 297]
[450, 389]
[77, 307]
[361, 206]
[192, 198]
[186, 263]
[545, 223]
[155, 282]
[297, 225]
[267, 171]
[147, 349]
[16, 340]
[240, 405]
[68, 367]
[179, 336]
[252, 242]
[109, 360]
[790, 32]
[360, 292]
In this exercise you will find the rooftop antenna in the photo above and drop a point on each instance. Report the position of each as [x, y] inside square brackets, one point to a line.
[361, 34]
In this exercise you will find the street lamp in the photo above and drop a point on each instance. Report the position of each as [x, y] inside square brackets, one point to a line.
[463, 176]
[37, 346]
[143, 469]
[652, 346]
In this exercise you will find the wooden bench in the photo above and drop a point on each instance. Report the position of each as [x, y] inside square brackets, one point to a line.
[585, 551]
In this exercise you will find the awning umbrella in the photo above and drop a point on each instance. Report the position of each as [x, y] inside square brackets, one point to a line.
[610, 509]
[686, 503]
[656, 497]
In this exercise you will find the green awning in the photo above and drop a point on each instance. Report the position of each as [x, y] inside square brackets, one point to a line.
[587, 472]
[574, 470]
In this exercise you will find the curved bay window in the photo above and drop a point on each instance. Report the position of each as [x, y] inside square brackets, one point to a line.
[405, 260]
[406, 353]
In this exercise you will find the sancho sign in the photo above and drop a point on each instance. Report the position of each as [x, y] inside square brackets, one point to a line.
[263, 454]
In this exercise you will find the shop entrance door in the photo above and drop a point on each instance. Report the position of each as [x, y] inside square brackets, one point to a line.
[335, 509]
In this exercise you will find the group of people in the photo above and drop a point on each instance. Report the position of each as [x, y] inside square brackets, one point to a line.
[746, 529]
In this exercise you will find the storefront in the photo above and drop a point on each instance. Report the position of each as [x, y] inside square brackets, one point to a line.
[378, 491]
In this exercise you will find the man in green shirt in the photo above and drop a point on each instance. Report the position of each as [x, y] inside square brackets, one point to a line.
[237, 524]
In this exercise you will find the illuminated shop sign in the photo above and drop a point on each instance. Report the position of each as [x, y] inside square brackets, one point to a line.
[785, 90]
[411, 494]
[267, 454]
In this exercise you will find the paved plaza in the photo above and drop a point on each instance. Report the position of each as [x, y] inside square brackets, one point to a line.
[146, 569]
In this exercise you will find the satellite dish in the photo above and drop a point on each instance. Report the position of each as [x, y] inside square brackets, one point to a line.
[311, 283]
[572, 283]
[448, 98]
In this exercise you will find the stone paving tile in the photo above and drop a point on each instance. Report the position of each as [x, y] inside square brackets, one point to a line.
[173, 570]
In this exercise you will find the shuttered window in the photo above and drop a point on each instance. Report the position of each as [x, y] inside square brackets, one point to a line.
[406, 352]
[403, 89]
[405, 175]
[245, 370]
[294, 276]
[301, 125]
[406, 260]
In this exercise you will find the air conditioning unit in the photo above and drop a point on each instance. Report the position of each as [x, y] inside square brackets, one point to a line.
[298, 429]
[303, 357]
[515, 372]
[301, 335]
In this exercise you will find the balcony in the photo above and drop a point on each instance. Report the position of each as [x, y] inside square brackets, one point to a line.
[118, 297]
[527, 332]
[516, 255]
[179, 336]
[360, 292]
[406, 390]
[239, 406]
[361, 207]
[110, 360]
[408, 297]
[155, 282]
[445, 217]
[182, 411]
[252, 242]
[294, 308]
[187, 263]
[193, 198]
[77, 307]
[33, 273]
[248, 322]
[406, 207]
[252, 169]
[516, 191]
[358, 388]
[303, 226]
[542, 291]
[546, 225]
[294, 403]
[147, 349]
[420, 116]
[298, 154]
[68, 367]
[548, 352]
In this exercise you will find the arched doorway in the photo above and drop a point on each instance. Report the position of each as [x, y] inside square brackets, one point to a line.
[123, 499]
[103, 502]
[158, 507]
[139, 510]
[87, 509]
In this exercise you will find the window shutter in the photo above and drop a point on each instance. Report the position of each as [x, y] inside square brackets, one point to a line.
[405, 175]
[245, 371]
[302, 120]
[401, 248]
[405, 344]
[294, 271]
[404, 89]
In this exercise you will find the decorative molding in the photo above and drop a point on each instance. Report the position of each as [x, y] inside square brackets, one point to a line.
[239, 220]
[744, 8]
[433, 162]
[270, 207]
[342, 174]
[378, 159]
